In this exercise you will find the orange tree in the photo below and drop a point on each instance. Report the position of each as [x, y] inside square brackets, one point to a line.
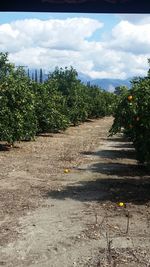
[100, 102]
[50, 107]
[5, 67]
[74, 93]
[132, 116]
[17, 113]
[82, 101]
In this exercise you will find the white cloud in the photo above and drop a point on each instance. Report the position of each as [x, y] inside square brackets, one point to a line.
[54, 42]
[131, 37]
[53, 33]
[134, 18]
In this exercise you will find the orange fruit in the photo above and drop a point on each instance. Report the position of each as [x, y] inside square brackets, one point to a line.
[66, 171]
[130, 97]
[121, 204]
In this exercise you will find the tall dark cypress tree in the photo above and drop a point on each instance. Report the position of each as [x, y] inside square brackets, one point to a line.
[32, 76]
[36, 76]
[41, 76]
[88, 84]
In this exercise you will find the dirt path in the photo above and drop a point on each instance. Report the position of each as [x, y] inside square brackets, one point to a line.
[53, 219]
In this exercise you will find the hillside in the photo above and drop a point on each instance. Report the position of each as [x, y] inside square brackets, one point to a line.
[107, 84]
[110, 84]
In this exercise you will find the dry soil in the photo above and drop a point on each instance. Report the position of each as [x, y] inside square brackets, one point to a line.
[49, 218]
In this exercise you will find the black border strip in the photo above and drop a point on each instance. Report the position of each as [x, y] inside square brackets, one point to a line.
[95, 6]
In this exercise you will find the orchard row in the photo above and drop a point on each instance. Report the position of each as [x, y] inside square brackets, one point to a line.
[28, 108]
[132, 115]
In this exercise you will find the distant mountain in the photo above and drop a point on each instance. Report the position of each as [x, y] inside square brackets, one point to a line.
[110, 84]
[106, 84]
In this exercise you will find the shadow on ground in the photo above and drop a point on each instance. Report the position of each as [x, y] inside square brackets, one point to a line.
[135, 191]
[116, 139]
[7, 147]
[116, 169]
[115, 181]
[120, 184]
[112, 154]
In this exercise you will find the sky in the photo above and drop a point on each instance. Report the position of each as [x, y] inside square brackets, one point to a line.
[96, 45]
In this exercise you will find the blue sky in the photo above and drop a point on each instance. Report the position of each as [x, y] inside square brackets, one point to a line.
[97, 45]
[108, 19]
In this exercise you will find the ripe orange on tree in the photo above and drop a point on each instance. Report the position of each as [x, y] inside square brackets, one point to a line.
[130, 97]
[132, 117]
